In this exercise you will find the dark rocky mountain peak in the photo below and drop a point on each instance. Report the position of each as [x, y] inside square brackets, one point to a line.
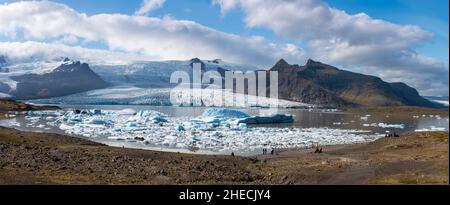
[282, 65]
[68, 78]
[217, 61]
[322, 84]
[311, 62]
[72, 66]
[196, 60]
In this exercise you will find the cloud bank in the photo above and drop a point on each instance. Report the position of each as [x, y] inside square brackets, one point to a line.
[157, 38]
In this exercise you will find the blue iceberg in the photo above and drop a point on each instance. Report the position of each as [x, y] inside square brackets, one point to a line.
[271, 119]
[225, 113]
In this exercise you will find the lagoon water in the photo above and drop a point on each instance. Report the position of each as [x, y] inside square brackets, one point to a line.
[305, 118]
[375, 124]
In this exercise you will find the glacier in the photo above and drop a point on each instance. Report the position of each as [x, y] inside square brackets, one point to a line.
[131, 95]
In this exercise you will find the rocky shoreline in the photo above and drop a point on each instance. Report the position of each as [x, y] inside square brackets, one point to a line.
[42, 158]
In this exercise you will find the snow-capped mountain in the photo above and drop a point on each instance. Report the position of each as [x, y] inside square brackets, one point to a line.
[156, 74]
[68, 78]
[145, 74]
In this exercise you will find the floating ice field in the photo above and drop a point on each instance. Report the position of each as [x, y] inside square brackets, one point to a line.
[218, 130]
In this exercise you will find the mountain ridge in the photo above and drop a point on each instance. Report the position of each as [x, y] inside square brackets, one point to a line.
[68, 78]
[323, 84]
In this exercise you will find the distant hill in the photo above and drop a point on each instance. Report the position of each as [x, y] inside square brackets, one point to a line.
[322, 84]
[69, 78]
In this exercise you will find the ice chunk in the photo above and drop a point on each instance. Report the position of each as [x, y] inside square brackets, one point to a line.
[98, 120]
[224, 112]
[271, 119]
[431, 129]
[242, 126]
[127, 111]
[97, 112]
[384, 125]
[180, 127]
[159, 119]
[131, 125]
[76, 118]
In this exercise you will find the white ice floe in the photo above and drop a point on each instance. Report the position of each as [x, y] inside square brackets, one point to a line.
[384, 125]
[365, 118]
[217, 130]
[9, 123]
[431, 129]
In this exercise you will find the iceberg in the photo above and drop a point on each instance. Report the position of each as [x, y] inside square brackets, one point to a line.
[271, 119]
[159, 119]
[224, 112]
[76, 118]
[127, 112]
[180, 127]
[97, 120]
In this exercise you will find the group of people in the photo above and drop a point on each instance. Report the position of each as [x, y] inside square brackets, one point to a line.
[392, 135]
[271, 152]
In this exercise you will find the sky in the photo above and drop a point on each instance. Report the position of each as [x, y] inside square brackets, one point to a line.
[397, 40]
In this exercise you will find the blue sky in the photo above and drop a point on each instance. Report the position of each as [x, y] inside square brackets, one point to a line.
[410, 44]
[431, 15]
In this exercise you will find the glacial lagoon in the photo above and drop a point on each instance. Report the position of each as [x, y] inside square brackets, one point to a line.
[193, 130]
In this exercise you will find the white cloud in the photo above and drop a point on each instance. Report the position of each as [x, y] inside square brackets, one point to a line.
[335, 37]
[71, 39]
[31, 50]
[160, 38]
[149, 5]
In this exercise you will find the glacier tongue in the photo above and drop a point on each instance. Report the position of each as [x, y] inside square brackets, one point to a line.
[129, 95]
[217, 130]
